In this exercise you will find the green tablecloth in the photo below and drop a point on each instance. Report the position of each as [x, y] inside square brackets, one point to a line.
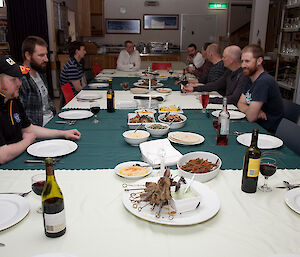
[102, 145]
[116, 83]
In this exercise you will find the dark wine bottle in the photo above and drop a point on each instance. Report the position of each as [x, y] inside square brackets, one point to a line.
[53, 204]
[110, 98]
[251, 165]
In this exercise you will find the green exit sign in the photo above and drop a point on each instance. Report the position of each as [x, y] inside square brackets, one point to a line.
[217, 5]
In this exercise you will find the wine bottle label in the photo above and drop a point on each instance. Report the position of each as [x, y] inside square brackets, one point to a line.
[253, 167]
[224, 128]
[109, 96]
[55, 222]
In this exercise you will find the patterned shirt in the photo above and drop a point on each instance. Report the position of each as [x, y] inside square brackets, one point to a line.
[71, 71]
[214, 73]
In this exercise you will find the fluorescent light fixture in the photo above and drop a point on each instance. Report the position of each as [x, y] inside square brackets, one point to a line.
[217, 5]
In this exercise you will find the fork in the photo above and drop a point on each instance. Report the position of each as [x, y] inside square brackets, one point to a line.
[20, 194]
[70, 122]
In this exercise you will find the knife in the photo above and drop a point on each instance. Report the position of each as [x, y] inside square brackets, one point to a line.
[158, 98]
[289, 188]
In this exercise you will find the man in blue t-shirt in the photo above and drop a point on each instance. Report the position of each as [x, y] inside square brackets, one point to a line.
[72, 71]
[261, 100]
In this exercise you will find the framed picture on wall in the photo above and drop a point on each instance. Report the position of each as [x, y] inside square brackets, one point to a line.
[161, 21]
[123, 26]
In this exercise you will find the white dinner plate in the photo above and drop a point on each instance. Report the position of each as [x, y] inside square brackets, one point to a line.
[264, 141]
[234, 115]
[179, 138]
[208, 208]
[103, 78]
[75, 115]
[292, 199]
[164, 90]
[126, 164]
[98, 85]
[13, 208]
[52, 148]
[89, 96]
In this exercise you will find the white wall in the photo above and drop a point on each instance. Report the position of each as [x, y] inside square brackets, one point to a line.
[135, 10]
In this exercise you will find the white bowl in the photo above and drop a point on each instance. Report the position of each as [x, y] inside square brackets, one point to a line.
[174, 125]
[135, 125]
[132, 163]
[142, 136]
[202, 177]
[157, 132]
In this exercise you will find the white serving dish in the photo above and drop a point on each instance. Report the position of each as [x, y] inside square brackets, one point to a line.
[145, 111]
[157, 132]
[201, 177]
[174, 125]
[135, 125]
[136, 141]
[132, 163]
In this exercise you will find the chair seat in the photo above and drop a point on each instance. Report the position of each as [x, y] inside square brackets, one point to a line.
[161, 65]
[67, 92]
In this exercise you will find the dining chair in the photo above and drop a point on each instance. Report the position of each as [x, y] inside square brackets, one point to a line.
[96, 69]
[67, 92]
[161, 65]
[291, 111]
[289, 132]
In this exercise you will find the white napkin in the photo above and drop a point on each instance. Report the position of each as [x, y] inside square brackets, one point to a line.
[152, 152]
[127, 104]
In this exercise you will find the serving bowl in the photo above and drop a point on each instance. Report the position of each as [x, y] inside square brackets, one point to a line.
[174, 125]
[201, 177]
[135, 138]
[134, 125]
[158, 132]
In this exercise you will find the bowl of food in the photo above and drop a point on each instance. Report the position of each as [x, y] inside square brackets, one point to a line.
[204, 165]
[157, 129]
[136, 119]
[175, 121]
[134, 138]
[133, 169]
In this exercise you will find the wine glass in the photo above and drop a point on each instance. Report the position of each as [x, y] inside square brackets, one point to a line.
[95, 108]
[204, 98]
[37, 184]
[267, 169]
[170, 71]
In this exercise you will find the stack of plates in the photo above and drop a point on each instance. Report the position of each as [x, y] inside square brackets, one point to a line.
[185, 138]
[88, 96]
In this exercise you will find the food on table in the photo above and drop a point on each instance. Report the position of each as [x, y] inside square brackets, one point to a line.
[139, 90]
[141, 119]
[157, 126]
[145, 111]
[133, 171]
[172, 117]
[198, 165]
[181, 195]
[137, 134]
[171, 108]
[146, 82]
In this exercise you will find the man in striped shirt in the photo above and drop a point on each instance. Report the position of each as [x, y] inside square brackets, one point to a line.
[72, 71]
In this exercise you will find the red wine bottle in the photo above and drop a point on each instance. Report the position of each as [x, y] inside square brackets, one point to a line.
[251, 165]
[110, 98]
[53, 204]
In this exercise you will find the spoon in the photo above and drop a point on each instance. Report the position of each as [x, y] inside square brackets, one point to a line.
[138, 127]
[189, 185]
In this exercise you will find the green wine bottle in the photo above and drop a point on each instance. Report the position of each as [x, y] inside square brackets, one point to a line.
[110, 98]
[53, 204]
[251, 165]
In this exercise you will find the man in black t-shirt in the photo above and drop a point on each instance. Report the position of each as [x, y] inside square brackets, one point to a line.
[16, 131]
[261, 100]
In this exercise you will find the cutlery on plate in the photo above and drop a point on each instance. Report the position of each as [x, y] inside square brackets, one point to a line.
[272, 153]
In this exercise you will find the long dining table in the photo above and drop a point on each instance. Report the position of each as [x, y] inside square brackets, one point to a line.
[259, 224]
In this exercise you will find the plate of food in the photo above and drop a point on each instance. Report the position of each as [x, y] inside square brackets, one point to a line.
[136, 119]
[164, 90]
[137, 90]
[133, 169]
[145, 111]
[206, 206]
[170, 109]
[175, 121]
[185, 138]
[145, 83]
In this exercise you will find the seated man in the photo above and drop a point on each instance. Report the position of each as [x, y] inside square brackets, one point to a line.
[216, 70]
[199, 72]
[34, 90]
[16, 131]
[261, 100]
[194, 59]
[129, 59]
[231, 83]
[72, 71]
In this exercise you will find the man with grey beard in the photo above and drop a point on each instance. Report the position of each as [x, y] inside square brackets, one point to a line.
[34, 92]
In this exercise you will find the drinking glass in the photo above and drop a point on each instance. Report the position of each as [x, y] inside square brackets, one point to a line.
[267, 169]
[95, 108]
[170, 71]
[204, 98]
[125, 85]
[37, 184]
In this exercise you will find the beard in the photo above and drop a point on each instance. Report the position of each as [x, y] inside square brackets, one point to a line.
[248, 72]
[41, 68]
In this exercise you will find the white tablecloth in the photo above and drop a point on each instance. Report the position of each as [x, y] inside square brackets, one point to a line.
[247, 225]
[185, 101]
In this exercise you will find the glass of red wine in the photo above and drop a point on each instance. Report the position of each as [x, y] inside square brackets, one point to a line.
[204, 99]
[37, 184]
[267, 169]
[95, 108]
